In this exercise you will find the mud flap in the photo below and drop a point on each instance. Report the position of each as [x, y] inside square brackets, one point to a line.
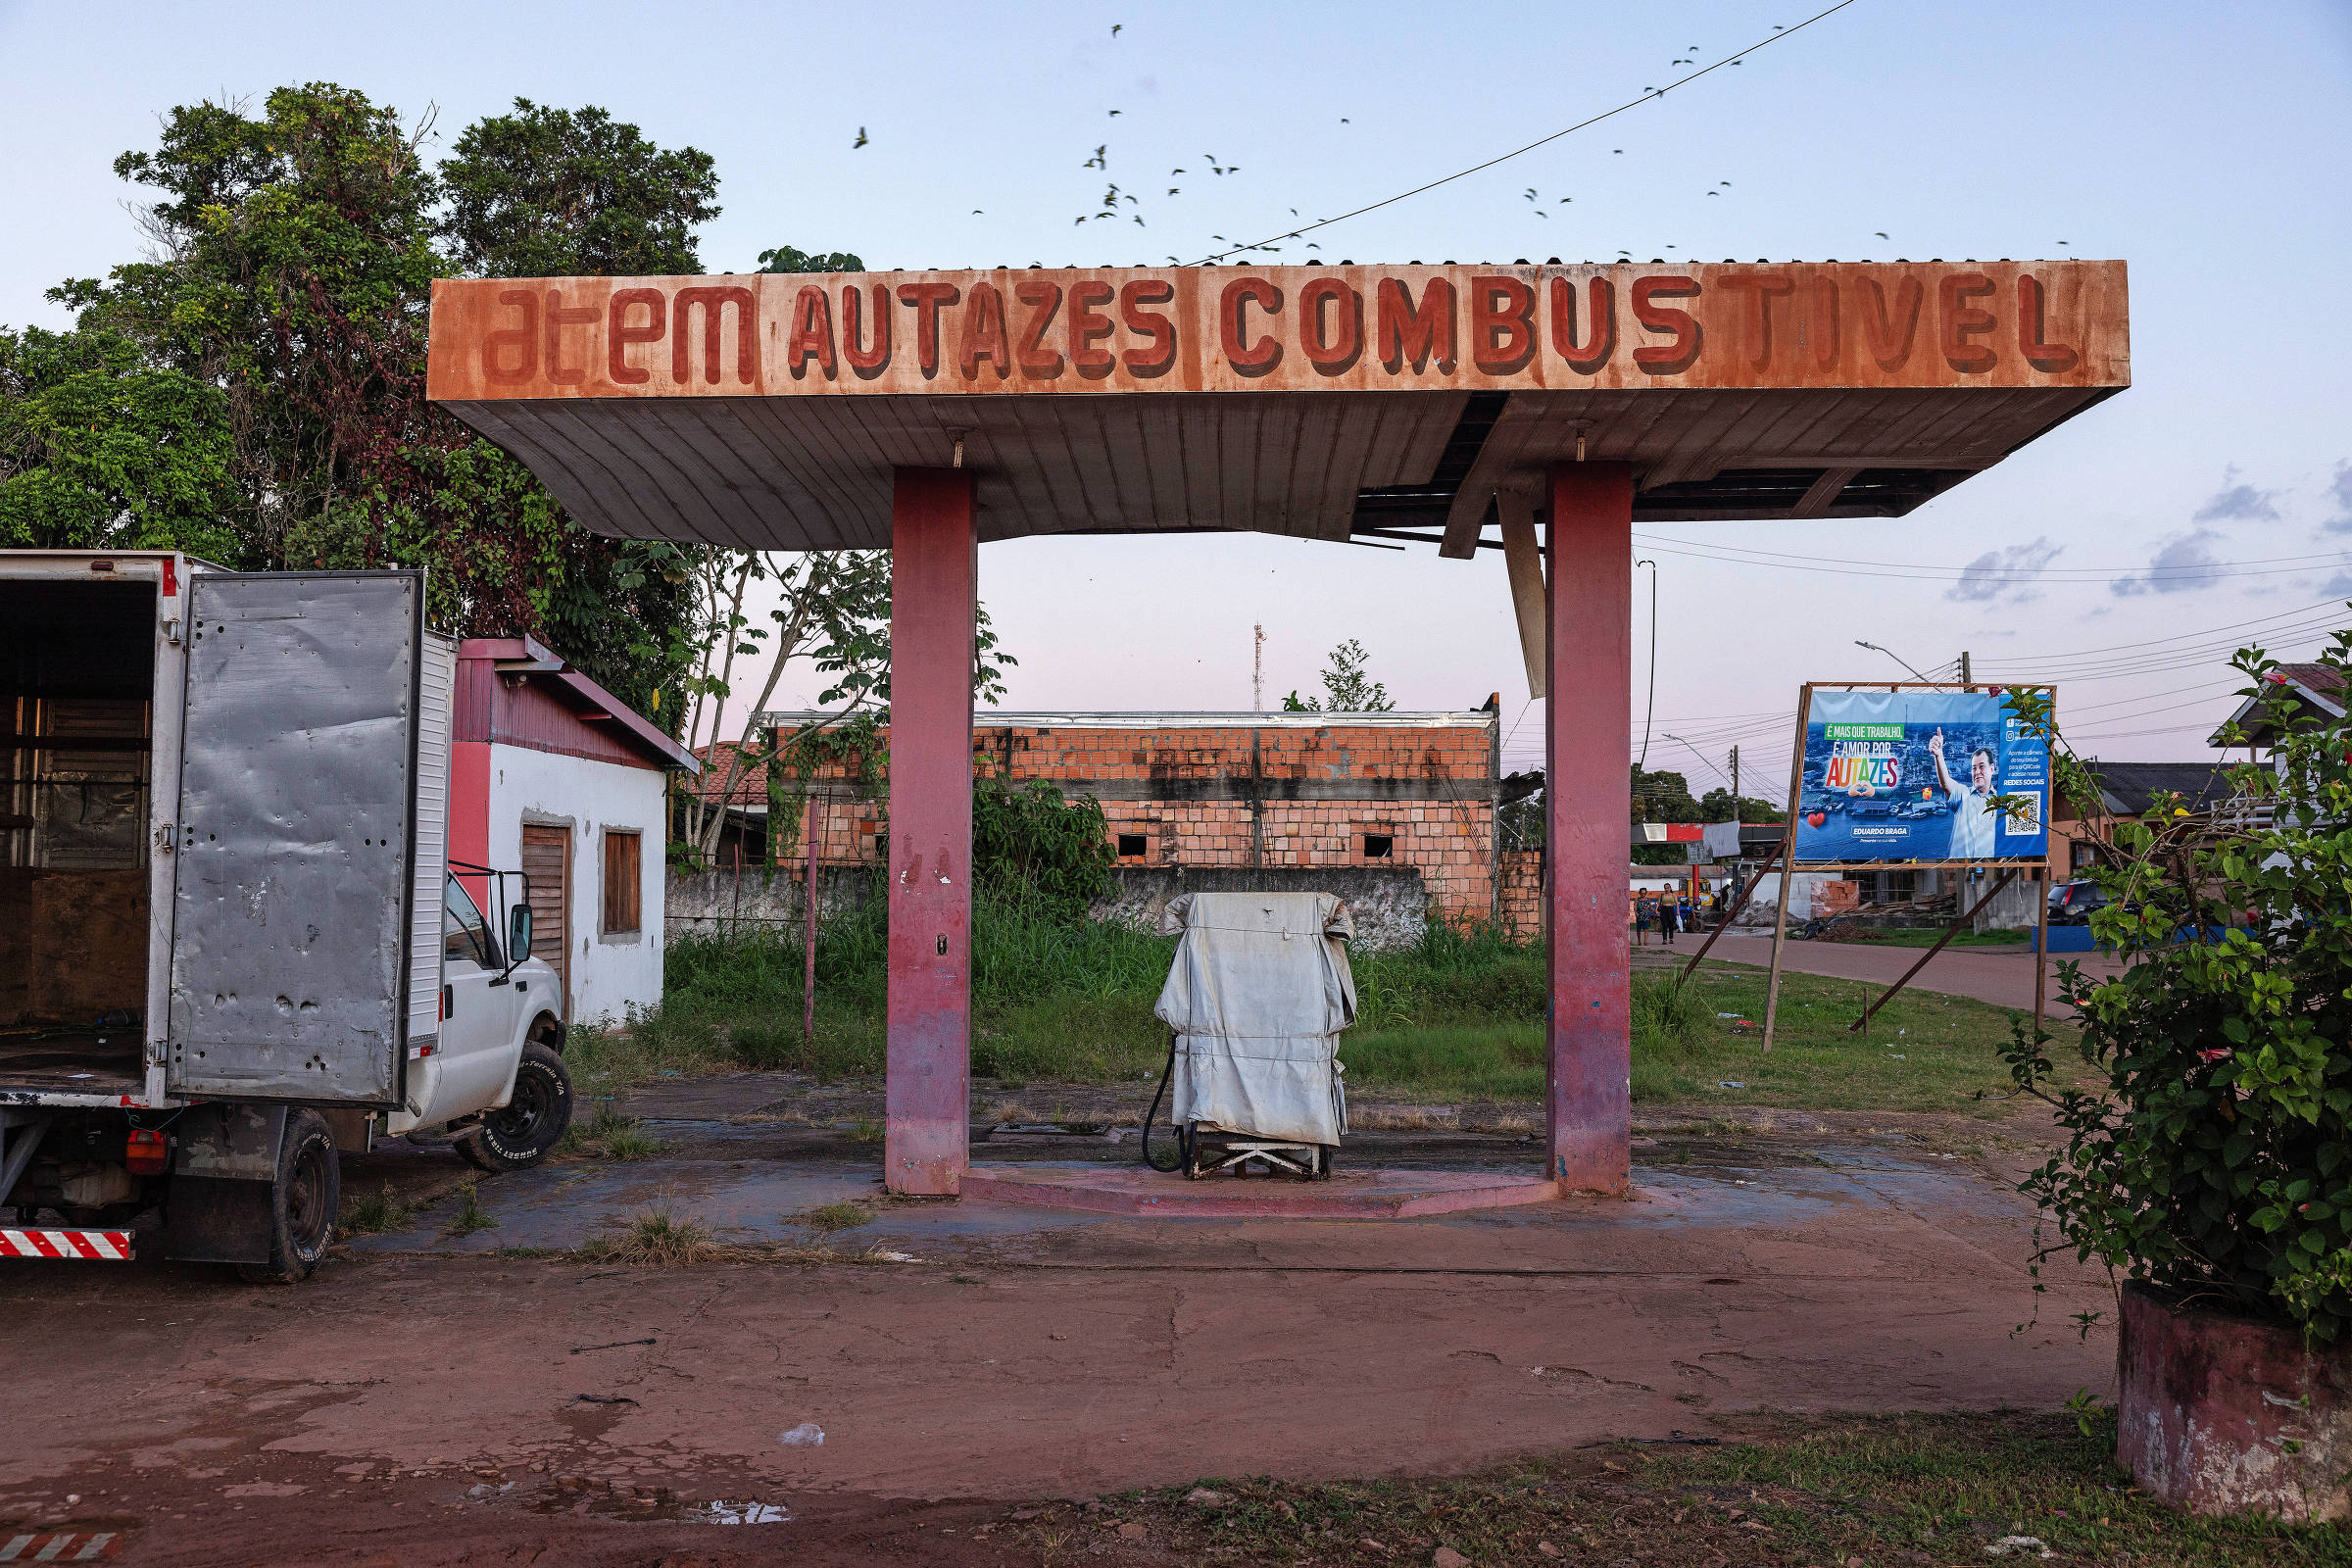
[217, 1209]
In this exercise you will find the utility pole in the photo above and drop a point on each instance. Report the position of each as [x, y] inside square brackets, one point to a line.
[1257, 669]
[1964, 680]
[1734, 785]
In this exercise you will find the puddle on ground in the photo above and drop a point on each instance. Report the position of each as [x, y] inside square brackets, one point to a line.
[574, 1495]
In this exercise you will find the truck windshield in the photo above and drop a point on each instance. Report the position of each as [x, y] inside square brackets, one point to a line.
[464, 932]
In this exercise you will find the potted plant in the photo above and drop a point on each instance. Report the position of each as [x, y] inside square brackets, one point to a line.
[2209, 1165]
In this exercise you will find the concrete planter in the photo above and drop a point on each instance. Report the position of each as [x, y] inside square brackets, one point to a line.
[2226, 1414]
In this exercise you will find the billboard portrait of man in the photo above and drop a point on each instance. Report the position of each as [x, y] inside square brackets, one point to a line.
[1973, 815]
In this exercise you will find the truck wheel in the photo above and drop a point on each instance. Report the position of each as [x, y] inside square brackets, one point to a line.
[303, 1201]
[522, 1132]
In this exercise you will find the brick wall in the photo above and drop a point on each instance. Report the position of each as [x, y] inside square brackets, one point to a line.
[1418, 796]
[1520, 901]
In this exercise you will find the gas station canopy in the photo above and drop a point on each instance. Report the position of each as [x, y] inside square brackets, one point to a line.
[924, 413]
[770, 410]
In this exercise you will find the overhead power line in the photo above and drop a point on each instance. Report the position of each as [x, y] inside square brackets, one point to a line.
[1647, 96]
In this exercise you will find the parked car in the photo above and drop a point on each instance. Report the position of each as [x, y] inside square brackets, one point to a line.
[2071, 903]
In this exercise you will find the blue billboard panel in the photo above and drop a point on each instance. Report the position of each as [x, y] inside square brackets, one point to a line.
[1910, 776]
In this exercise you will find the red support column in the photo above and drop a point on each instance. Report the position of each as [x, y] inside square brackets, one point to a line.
[1588, 801]
[934, 580]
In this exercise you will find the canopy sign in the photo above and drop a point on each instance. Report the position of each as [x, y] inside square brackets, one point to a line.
[1345, 329]
[1910, 776]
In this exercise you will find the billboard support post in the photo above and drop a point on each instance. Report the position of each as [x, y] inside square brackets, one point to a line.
[1780, 916]
[2042, 945]
[1949, 932]
[1732, 913]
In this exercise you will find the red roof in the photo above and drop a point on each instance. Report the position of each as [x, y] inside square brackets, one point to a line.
[518, 691]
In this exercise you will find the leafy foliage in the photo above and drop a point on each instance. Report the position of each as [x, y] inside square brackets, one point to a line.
[792, 259]
[1347, 687]
[1030, 847]
[100, 451]
[2215, 1158]
[269, 361]
[567, 193]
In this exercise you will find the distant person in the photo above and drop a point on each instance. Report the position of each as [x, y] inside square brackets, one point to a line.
[1973, 815]
[1670, 919]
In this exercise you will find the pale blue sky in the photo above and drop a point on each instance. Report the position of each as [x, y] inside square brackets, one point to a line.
[2204, 144]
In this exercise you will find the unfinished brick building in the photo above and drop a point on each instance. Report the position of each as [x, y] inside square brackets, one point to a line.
[1400, 790]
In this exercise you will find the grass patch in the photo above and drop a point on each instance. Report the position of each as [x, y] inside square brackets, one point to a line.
[660, 1239]
[610, 1135]
[1877, 1491]
[1909, 938]
[1457, 1017]
[1924, 1051]
[470, 1216]
[374, 1216]
[831, 1217]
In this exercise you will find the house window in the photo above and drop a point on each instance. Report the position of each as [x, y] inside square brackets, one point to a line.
[624, 865]
[1379, 845]
[1131, 846]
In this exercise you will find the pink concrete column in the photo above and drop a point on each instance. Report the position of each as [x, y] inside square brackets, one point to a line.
[934, 579]
[1588, 801]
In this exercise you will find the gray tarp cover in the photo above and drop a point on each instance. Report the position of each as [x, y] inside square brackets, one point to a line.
[1257, 995]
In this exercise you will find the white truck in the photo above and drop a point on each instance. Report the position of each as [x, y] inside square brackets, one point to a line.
[231, 941]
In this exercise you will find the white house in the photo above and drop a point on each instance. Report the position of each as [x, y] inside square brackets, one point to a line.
[554, 777]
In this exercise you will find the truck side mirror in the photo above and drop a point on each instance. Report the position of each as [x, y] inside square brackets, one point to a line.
[518, 933]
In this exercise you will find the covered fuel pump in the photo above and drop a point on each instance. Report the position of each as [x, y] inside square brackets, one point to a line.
[1255, 1005]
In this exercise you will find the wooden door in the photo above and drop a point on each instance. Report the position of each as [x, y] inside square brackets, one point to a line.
[547, 864]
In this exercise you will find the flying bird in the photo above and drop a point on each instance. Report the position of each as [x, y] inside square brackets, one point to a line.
[1616, 149]
[1343, 119]
[1115, 27]
[1173, 190]
[1722, 182]
[975, 212]
[1115, 113]
[861, 141]
[1566, 199]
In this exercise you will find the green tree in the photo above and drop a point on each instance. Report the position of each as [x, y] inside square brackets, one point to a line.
[792, 259]
[297, 260]
[1716, 806]
[571, 192]
[1348, 689]
[99, 450]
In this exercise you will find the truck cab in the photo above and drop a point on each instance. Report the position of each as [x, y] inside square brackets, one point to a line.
[231, 939]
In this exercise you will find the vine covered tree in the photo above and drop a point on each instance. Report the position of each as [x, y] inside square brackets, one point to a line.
[265, 368]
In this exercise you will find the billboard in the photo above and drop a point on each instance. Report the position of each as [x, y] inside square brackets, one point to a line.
[1908, 775]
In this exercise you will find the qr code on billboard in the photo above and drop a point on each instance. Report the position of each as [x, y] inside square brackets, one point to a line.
[2024, 818]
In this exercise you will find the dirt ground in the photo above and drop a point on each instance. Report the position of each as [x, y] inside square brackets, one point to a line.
[432, 1397]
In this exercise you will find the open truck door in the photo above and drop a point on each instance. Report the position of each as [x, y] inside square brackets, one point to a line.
[312, 788]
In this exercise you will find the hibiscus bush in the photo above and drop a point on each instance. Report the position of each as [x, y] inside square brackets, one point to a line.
[2213, 1156]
